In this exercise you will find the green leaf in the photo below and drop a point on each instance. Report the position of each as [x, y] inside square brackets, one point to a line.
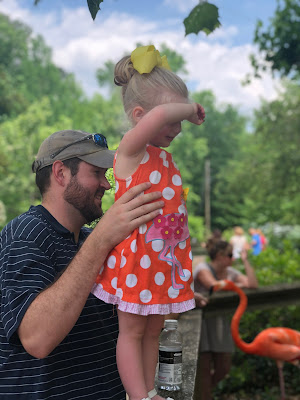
[204, 17]
[94, 7]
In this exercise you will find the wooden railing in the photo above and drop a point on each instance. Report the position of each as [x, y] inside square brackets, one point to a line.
[223, 302]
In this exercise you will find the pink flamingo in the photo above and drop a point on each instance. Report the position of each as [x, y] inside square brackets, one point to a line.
[280, 344]
[172, 229]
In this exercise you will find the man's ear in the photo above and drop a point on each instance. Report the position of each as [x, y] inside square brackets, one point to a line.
[59, 172]
[138, 113]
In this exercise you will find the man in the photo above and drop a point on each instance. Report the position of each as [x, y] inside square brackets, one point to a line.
[57, 341]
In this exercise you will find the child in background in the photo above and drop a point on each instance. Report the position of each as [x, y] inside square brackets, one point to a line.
[149, 274]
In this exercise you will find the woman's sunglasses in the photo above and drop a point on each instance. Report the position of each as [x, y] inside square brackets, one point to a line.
[97, 138]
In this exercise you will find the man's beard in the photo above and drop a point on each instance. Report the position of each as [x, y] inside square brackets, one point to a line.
[83, 200]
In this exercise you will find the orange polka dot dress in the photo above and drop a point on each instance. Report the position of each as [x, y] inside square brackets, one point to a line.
[150, 272]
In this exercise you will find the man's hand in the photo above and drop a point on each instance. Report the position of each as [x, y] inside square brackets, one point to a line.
[132, 210]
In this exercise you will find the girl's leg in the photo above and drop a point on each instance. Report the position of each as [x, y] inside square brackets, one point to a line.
[129, 354]
[150, 349]
[222, 365]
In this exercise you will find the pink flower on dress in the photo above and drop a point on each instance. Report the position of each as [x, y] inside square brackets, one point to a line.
[172, 220]
[181, 220]
[178, 232]
[159, 221]
[166, 233]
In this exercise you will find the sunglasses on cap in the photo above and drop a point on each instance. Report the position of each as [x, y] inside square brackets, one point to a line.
[97, 138]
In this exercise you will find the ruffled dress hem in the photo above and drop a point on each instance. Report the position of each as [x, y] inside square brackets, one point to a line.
[142, 309]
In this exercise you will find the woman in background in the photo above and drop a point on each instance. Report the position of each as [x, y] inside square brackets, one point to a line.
[216, 344]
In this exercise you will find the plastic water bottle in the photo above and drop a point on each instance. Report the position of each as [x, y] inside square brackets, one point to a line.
[170, 357]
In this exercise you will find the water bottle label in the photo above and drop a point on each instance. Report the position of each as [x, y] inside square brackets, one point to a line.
[170, 367]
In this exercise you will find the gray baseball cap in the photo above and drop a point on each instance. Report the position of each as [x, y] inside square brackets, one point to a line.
[63, 145]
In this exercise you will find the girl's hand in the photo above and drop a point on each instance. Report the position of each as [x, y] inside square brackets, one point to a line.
[198, 116]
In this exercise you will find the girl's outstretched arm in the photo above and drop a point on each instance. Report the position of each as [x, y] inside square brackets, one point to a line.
[132, 147]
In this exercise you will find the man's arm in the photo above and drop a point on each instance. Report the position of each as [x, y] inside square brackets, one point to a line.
[54, 312]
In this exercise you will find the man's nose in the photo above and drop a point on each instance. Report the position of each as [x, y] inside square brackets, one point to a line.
[104, 183]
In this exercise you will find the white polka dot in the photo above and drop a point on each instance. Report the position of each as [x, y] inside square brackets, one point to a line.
[114, 282]
[119, 293]
[187, 275]
[101, 270]
[182, 245]
[133, 246]
[145, 261]
[181, 209]
[173, 293]
[174, 163]
[131, 280]
[128, 181]
[143, 229]
[191, 255]
[192, 286]
[155, 177]
[157, 245]
[168, 193]
[176, 180]
[166, 163]
[100, 286]
[145, 296]
[123, 261]
[111, 262]
[163, 155]
[170, 257]
[117, 186]
[159, 278]
[145, 158]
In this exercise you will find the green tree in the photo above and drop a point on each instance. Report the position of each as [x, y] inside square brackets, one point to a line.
[264, 177]
[223, 131]
[28, 74]
[20, 139]
[279, 43]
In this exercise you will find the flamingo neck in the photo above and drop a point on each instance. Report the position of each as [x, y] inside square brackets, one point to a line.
[235, 322]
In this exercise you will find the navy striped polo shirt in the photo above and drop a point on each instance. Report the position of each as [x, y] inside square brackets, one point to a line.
[34, 249]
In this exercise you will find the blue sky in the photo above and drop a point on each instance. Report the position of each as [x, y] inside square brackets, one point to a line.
[218, 62]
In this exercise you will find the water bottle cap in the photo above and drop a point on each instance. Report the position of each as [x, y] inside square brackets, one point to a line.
[171, 323]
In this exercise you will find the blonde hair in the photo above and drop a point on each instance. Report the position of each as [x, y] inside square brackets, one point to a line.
[146, 90]
[238, 230]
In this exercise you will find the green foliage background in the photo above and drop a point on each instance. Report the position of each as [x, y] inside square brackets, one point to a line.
[249, 168]
[255, 164]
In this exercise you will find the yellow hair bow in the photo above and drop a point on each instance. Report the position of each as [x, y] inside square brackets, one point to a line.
[145, 58]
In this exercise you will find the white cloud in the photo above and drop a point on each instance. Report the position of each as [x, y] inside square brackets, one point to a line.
[81, 46]
[182, 6]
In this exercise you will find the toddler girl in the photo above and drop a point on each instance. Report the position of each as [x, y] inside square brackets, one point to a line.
[148, 275]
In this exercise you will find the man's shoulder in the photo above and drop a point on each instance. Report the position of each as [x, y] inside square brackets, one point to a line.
[25, 226]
